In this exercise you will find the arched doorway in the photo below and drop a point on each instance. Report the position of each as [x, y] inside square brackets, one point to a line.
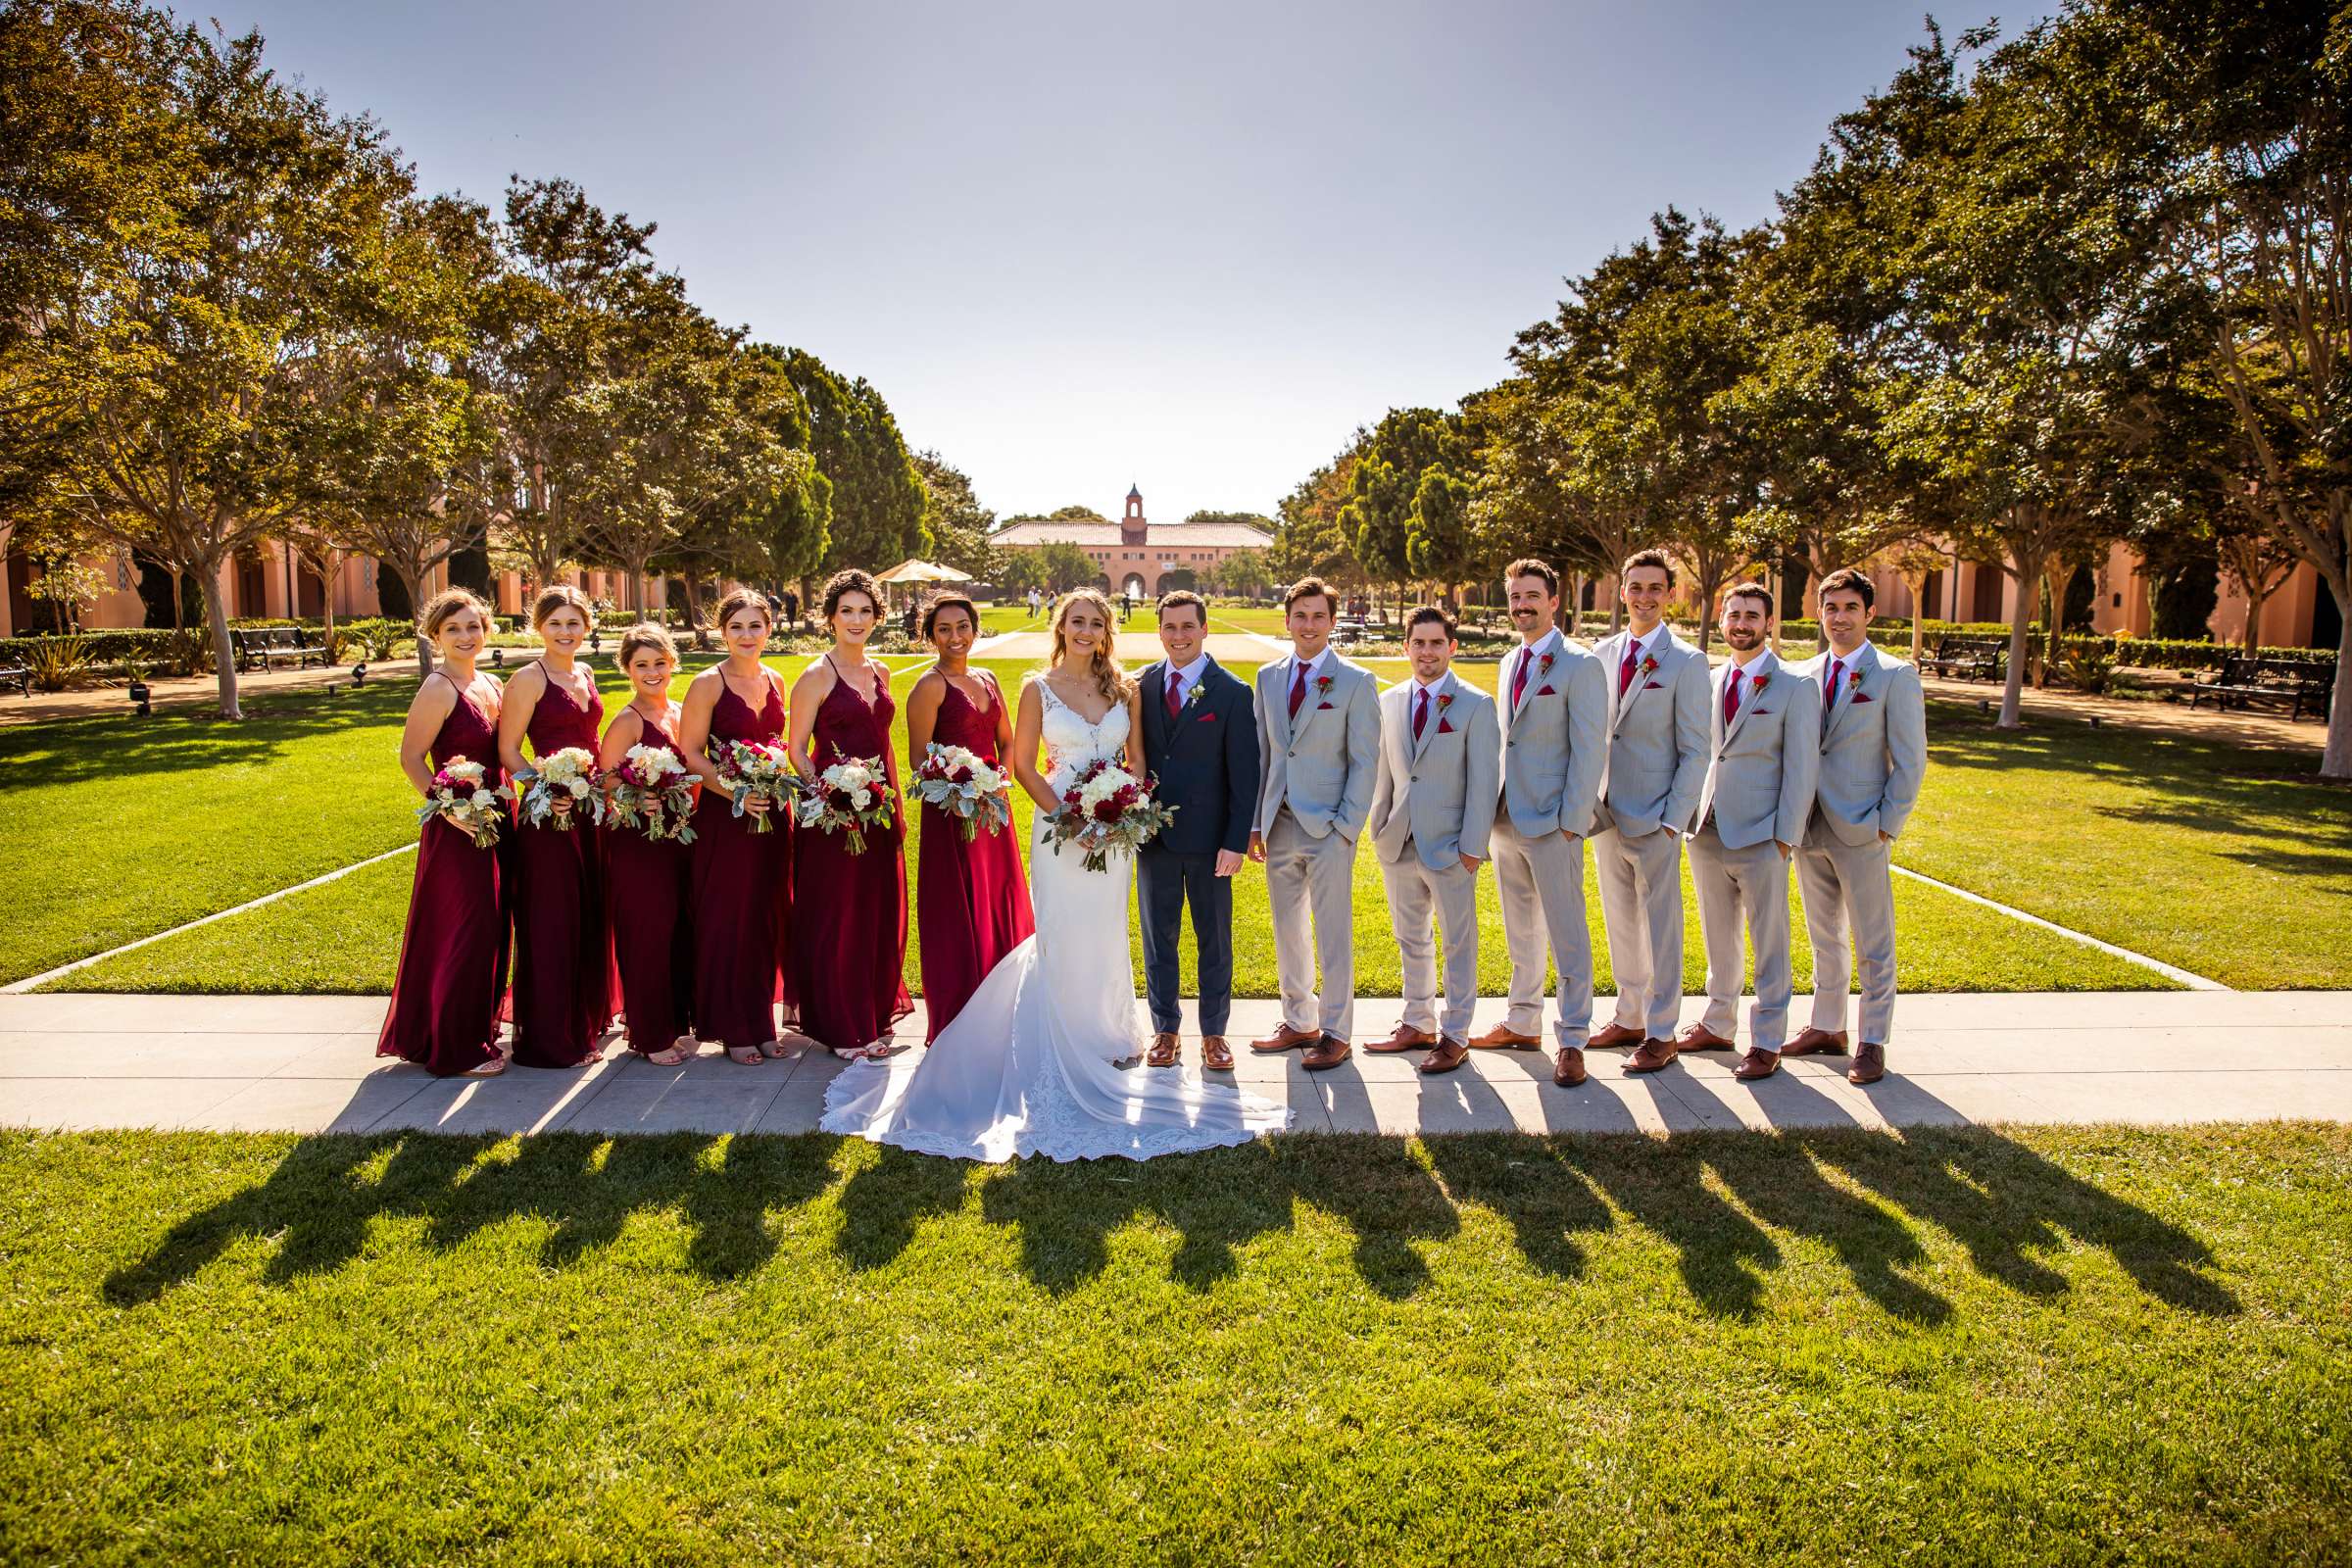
[1133, 587]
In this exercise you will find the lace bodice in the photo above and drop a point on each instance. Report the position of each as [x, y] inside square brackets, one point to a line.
[1071, 743]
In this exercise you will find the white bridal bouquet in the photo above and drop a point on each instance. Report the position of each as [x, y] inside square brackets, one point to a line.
[461, 792]
[1106, 808]
[849, 798]
[569, 772]
[755, 768]
[956, 780]
[653, 793]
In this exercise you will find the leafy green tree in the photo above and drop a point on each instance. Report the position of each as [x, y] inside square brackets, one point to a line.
[959, 524]
[1404, 513]
[878, 498]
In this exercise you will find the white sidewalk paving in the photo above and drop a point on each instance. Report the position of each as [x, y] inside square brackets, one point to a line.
[307, 1064]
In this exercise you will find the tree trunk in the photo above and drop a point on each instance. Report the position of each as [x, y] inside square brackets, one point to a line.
[693, 581]
[2055, 581]
[2336, 761]
[413, 580]
[327, 573]
[224, 657]
[2021, 645]
[1918, 588]
[2256, 593]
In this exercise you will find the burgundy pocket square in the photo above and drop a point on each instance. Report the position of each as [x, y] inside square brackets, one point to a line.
[1322, 707]
[1444, 727]
[1205, 718]
[1652, 686]
[1545, 691]
[1859, 698]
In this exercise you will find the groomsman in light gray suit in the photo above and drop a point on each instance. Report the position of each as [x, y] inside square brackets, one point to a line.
[1874, 756]
[1658, 751]
[1318, 734]
[1764, 753]
[1432, 809]
[1555, 728]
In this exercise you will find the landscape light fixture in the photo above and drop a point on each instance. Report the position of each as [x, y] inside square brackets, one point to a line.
[358, 673]
[498, 659]
[138, 700]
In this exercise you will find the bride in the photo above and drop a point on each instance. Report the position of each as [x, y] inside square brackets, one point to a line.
[1042, 1060]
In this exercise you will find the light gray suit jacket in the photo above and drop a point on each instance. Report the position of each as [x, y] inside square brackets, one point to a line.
[1320, 763]
[1873, 746]
[1439, 794]
[1556, 743]
[1658, 735]
[1761, 770]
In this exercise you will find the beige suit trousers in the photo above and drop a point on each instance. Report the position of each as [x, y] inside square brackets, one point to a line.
[1449, 894]
[1642, 900]
[1743, 887]
[1543, 884]
[1312, 879]
[1849, 888]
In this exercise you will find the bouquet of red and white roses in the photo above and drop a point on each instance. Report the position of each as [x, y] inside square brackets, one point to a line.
[956, 780]
[462, 792]
[569, 773]
[755, 768]
[1106, 808]
[652, 792]
[847, 798]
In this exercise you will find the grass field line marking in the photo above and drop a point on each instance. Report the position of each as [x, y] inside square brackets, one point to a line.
[35, 982]
[2194, 982]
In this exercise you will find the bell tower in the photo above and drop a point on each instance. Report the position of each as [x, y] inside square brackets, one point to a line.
[1132, 526]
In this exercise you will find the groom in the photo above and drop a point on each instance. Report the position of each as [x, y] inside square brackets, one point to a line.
[1201, 738]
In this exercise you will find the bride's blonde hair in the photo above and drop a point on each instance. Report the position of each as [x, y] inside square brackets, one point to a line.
[1110, 679]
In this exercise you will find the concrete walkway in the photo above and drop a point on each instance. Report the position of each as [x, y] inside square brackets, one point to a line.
[306, 1064]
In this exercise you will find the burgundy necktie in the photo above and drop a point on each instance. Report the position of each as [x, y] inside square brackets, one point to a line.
[1174, 705]
[1731, 697]
[1421, 712]
[1830, 699]
[1519, 679]
[1625, 671]
[1298, 689]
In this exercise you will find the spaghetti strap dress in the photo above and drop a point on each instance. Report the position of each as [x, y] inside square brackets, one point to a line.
[971, 900]
[649, 889]
[562, 956]
[741, 892]
[849, 956]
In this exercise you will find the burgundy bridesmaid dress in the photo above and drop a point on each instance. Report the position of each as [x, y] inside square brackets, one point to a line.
[453, 957]
[971, 900]
[650, 889]
[741, 895]
[563, 964]
[849, 953]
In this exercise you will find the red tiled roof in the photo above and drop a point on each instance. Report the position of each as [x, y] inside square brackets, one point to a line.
[1167, 535]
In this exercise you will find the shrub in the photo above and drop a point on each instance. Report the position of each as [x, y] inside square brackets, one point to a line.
[57, 664]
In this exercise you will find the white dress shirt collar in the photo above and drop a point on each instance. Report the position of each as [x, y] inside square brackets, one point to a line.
[1747, 668]
[1548, 643]
[1191, 673]
[1314, 667]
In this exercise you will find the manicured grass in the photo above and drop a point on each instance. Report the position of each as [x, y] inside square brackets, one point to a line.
[346, 936]
[2033, 1347]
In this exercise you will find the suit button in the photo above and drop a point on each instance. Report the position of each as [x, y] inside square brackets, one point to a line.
[1290, 754]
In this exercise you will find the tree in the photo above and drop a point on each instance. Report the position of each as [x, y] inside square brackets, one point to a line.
[959, 524]
[167, 330]
[1407, 503]
[878, 499]
[1308, 541]
[1245, 573]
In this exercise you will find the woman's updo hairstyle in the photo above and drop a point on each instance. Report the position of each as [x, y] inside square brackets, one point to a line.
[447, 603]
[851, 580]
[743, 599]
[553, 598]
[645, 634]
[939, 601]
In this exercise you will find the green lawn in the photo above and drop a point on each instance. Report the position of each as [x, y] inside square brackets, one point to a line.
[346, 936]
[2041, 1348]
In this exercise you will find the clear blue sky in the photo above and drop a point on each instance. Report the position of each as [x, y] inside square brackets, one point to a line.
[1081, 244]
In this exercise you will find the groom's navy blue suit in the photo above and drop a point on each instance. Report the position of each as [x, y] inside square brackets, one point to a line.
[1206, 759]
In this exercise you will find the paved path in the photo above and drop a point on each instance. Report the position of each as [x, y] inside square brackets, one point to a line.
[305, 1064]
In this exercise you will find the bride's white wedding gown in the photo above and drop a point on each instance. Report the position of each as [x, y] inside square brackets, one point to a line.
[1025, 1068]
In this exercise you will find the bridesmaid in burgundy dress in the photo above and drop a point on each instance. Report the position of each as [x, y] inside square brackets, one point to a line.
[848, 955]
[563, 958]
[742, 880]
[453, 957]
[650, 881]
[971, 902]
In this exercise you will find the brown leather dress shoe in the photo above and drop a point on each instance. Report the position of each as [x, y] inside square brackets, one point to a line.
[1698, 1036]
[1568, 1066]
[1502, 1037]
[1870, 1064]
[1406, 1038]
[1449, 1055]
[1163, 1052]
[1215, 1054]
[1614, 1036]
[1329, 1052]
[1813, 1039]
[1652, 1055]
[1757, 1064]
[1284, 1039]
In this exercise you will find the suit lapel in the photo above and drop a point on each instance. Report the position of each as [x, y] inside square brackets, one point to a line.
[1527, 657]
[1156, 717]
[1437, 713]
[1766, 668]
[1623, 704]
[1278, 703]
[1306, 707]
[1865, 658]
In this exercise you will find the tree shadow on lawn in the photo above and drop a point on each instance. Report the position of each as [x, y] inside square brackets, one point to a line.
[2227, 775]
[2006, 1205]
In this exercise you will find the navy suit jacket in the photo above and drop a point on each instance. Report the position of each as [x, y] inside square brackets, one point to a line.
[1206, 759]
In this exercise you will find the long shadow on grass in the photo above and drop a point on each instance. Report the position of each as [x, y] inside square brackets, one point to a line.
[1723, 1200]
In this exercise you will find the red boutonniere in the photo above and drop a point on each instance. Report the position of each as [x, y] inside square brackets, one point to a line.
[1322, 685]
[1853, 683]
[1650, 663]
[1544, 664]
[1759, 683]
[1445, 701]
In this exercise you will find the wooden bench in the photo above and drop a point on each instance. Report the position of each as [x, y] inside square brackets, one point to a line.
[18, 676]
[267, 647]
[2301, 687]
[1969, 657]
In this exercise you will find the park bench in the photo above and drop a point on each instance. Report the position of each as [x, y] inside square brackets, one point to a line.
[1969, 657]
[2300, 687]
[18, 676]
[267, 647]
